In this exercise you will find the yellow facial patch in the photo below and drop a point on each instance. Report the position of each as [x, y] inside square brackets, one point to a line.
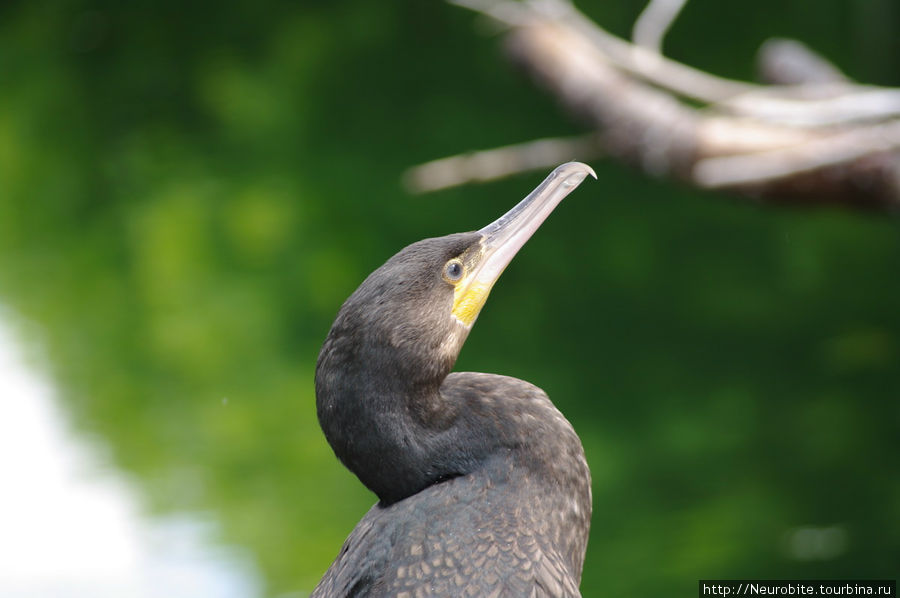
[468, 301]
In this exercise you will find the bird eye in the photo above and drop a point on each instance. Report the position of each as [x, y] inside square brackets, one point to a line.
[453, 271]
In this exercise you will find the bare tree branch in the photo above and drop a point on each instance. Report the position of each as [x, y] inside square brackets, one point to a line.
[789, 62]
[813, 135]
[653, 23]
[765, 167]
[489, 165]
[639, 62]
[840, 105]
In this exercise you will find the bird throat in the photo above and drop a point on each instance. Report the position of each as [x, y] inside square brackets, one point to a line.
[468, 301]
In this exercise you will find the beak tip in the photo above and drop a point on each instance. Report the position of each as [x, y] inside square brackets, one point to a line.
[574, 172]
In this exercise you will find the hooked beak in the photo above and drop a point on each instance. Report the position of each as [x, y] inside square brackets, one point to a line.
[504, 237]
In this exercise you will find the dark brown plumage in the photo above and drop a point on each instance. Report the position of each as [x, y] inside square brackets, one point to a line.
[482, 483]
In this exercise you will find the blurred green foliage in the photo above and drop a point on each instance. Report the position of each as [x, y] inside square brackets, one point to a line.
[188, 191]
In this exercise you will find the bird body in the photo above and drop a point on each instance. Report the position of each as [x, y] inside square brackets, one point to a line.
[516, 527]
[483, 485]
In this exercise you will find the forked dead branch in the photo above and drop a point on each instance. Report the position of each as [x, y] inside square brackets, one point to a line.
[807, 134]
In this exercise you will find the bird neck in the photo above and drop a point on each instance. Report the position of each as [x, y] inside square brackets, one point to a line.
[381, 409]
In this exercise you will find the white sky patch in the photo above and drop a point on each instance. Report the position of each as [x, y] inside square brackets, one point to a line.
[70, 527]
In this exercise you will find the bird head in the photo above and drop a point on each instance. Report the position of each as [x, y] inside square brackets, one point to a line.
[418, 308]
[472, 274]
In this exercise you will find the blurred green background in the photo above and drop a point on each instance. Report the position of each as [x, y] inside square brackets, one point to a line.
[188, 191]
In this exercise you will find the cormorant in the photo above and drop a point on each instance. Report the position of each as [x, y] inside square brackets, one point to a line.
[483, 488]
